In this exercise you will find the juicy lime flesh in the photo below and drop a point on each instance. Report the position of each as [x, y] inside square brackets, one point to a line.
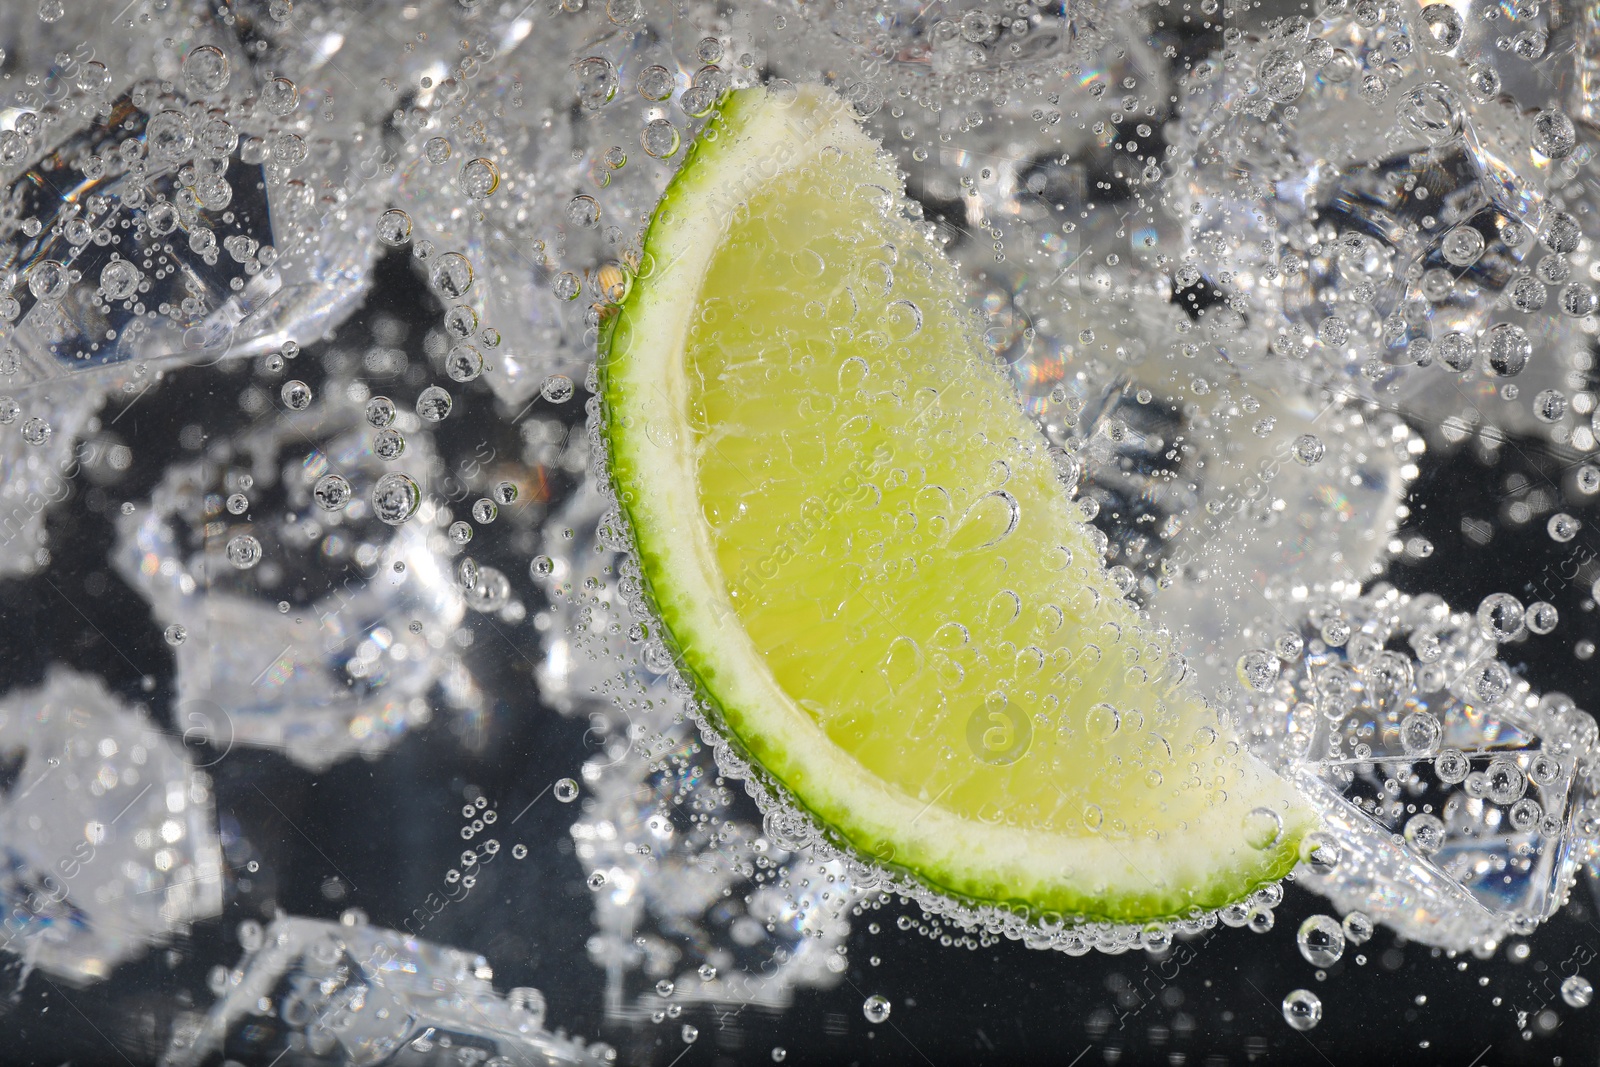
[896, 542]
[891, 534]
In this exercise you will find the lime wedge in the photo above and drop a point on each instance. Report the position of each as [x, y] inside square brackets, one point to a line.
[860, 549]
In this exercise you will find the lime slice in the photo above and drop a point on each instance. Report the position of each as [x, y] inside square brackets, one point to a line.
[860, 549]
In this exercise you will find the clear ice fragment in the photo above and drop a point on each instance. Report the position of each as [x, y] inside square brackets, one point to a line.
[107, 839]
[1461, 815]
[348, 993]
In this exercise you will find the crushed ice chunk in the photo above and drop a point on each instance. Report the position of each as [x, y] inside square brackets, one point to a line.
[364, 995]
[106, 830]
[34, 477]
[1462, 810]
[343, 672]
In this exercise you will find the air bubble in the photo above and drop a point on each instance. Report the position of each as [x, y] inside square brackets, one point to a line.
[1489, 680]
[1562, 527]
[1282, 74]
[296, 395]
[1443, 27]
[1320, 853]
[1554, 134]
[1456, 351]
[584, 210]
[280, 96]
[463, 363]
[1528, 295]
[1321, 940]
[479, 178]
[1541, 617]
[1308, 449]
[332, 492]
[243, 551]
[36, 431]
[1433, 112]
[1507, 348]
[48, 281]
[656, 83]
[1333, 331]
[394, 227]
[1302, 1009]
[1451, 765]
[557, 389]
[1263, 828]
[1549, 405]
[395, 498]
[597, 81]
[1357, 928]
[1420, 733]
[1425, 833]
[1500, 616]
[451, 275]
[1258, 669]
[119, 280]
[461, 322]
[380, 412]
[1505, 780]
[388, 445]
[1561, 233]
[660, 139]
[433, 404]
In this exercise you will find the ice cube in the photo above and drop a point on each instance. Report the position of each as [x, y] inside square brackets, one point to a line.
[232, 263]
[1219, 510]
[1461, 805]
[34, 474]
[346, 992]
[347, 667]
[572, 140]
[1335, 235]
[107, 841]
